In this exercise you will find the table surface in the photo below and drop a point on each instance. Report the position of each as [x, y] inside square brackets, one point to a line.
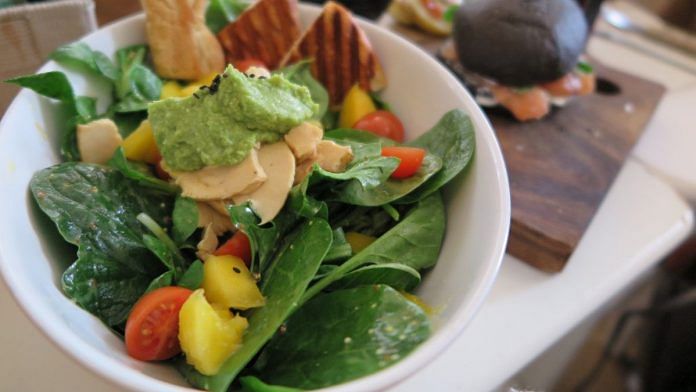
[640, 221]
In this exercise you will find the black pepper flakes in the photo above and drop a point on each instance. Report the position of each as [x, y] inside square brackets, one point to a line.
[215, 85]
[237, 270]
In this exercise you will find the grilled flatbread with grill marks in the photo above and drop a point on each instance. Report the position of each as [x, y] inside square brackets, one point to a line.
[342, 54]
[265, 31]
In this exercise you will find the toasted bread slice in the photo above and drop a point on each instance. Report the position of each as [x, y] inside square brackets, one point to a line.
[265, 31]
[182, 46]
[341, 51]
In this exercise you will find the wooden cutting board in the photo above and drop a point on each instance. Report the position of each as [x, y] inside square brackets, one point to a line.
[561, 167]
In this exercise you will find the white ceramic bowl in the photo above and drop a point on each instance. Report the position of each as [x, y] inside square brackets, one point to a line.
[33, 256]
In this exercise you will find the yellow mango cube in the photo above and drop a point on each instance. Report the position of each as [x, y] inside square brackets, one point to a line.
[140, 145]
[418, 301]
[359, 241]
[356, 105]
[196, 85]
[227, 282]
[170, 89]
[208, 334]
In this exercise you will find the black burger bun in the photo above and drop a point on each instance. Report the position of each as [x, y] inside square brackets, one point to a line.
[520, 42]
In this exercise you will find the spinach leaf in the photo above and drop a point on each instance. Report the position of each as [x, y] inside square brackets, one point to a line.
[369, 173]
[380, 103]
[398, 276]
[184, 218]
[303, 204]
[330, 120]
[159, 249]
[81, 56]
[139, 173]
[355, 137]
[264, 239]
[222, 12]
[414, 242]
[137, 84]
[319, 348]
[78, 110]
[253, 384]
[452, 139]
[356, 193]
[365, 144]
[95, 208]
[193, 277]
[301, 73]
[86, 108]
[53, 84]
[372, 221]
[163, 246]
[164, 280]
[340, 248]
[286, 281]
[128, 122]
[393, 212]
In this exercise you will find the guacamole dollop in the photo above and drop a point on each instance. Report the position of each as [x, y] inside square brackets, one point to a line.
[220, 125]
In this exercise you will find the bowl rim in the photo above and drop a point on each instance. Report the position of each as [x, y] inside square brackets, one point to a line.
[113, 371]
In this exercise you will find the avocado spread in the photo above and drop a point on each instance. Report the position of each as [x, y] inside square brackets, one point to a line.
[221, 124]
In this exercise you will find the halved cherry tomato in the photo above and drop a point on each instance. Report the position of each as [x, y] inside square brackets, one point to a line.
[244, 64]
[382, 123]
[411, 160]
[238, 245]
[152, 328]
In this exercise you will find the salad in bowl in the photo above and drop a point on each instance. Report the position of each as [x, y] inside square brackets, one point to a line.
[251, 212]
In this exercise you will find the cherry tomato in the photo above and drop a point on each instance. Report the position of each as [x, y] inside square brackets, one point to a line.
[435, 9]
[244, 64]
[411, 160]
[238, 245]
[152, 328]
[382, 123]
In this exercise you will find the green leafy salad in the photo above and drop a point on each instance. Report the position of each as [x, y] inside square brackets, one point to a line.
[234, 227]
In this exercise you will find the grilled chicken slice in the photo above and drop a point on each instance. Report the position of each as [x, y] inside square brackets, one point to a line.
[182, 46]
[303, 140]
[265, 31]
[342, 54]
[209, 216]
[98, 140]
[208, 243]
[267, 201]
[221, 182]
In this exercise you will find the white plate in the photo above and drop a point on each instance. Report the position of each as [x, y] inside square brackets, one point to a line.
[33, 256]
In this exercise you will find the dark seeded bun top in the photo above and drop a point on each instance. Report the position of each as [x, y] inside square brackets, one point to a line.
[520, 42]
